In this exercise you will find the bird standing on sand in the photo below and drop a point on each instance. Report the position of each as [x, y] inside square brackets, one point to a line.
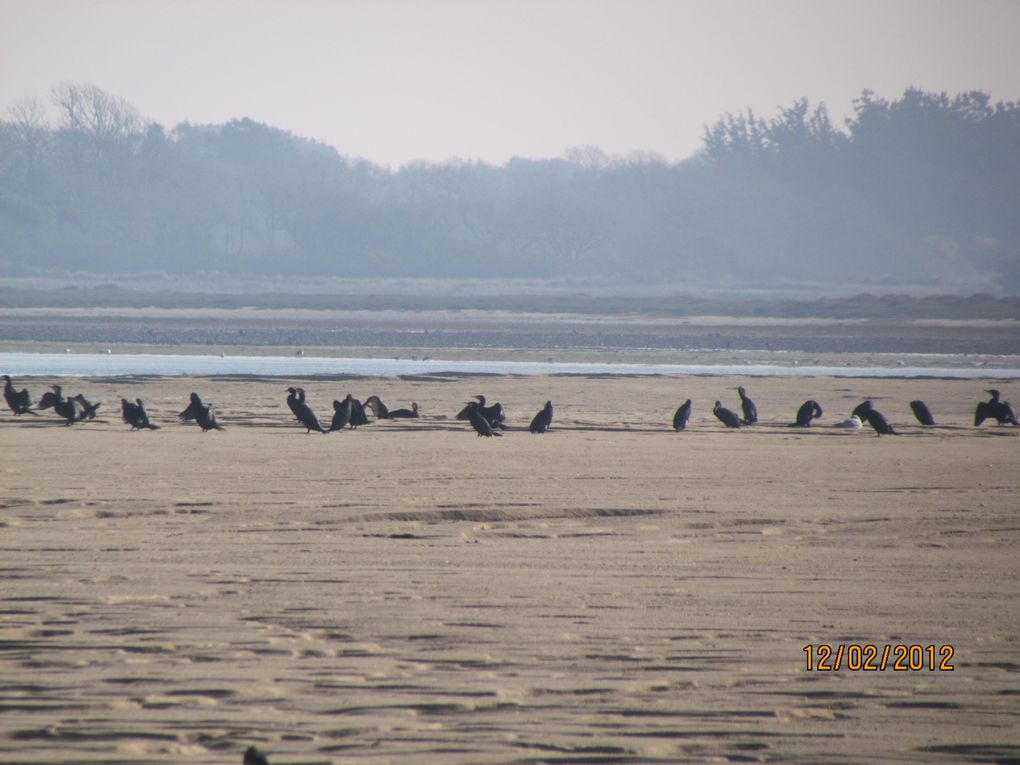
[301, 410]
[726, 416]
[750, 410]
[341, 413]
[479, 422]
[88, 409]
[74, 409]
[1000, 411]
[808, 411]
[922, 412]
[135, 415]
[350, 412]
[494, 414]
[682, 415]
[877, 420]
[378, 408]
[861, 410]
[541, 421]
[18, 400]
[204, 415]
[51, 397]
[358, 416]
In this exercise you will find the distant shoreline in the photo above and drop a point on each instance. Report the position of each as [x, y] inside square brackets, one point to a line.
[525, 298]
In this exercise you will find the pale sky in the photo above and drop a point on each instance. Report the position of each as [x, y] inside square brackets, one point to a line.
[395, 81]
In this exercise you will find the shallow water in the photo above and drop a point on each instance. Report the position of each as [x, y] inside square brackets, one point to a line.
[103, 365]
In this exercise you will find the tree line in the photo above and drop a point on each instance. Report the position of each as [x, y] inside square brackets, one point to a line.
[923, 189]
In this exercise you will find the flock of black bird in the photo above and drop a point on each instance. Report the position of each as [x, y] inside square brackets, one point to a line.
[486, 419]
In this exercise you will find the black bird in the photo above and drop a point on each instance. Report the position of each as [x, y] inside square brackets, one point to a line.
[405, 413]
[191, 410]
[254, 757]
[879, 423]
[358, 416]
[481, 425]
[341, 413]
[51, 398]
[861, 410]
[88, 409]
[1001, 411]
[495, 414]
[135, 415]
[292, 401]
[726, 416]
[18, 400]
[808, 411]
[542, 420]
[301, 410]
[350, 412]
[378, 408]
[683, 414]
[71, 409]
[922, 412]
[204, 415]
[750, 410]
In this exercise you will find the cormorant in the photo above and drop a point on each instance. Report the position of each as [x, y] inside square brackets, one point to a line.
[204, 415]
[18, 400]
[542, 420]
[1001, 411]
[750, 410]
[405, 413]
[358, 416]
[478, 421]
[254, 757]
[341, 413]
[808, 411]
[301, 410]
[135, 415]
[922, 412]
[378, 408]
[878, 422]
[683, 414]
[495, 414]
[70, 409]
[192, 408]
[51, 398]
[350, 412]
[88, 409]
[853, 423]
[726, 416]
[861, 410]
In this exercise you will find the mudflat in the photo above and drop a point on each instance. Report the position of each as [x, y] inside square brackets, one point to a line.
[611, 591]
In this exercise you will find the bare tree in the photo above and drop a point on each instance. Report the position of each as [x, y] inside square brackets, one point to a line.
[29, 128]
[105, 124]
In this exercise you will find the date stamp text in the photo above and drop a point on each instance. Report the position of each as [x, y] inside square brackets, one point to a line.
[855, 657]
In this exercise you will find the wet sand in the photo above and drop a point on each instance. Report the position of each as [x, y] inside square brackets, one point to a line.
[608, 592]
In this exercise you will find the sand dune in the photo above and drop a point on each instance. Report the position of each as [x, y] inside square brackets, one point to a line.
[608, 592]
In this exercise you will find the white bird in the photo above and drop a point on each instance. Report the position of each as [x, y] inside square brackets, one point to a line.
[854, 423]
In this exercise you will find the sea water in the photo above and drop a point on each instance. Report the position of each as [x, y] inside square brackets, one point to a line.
[166, 365]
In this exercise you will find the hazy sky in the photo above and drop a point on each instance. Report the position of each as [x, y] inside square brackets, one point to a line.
[490, 79]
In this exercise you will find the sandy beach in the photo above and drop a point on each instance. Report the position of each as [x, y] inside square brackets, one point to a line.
[610, 592]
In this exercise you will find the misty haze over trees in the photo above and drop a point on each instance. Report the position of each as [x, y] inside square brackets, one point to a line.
[923, 190]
